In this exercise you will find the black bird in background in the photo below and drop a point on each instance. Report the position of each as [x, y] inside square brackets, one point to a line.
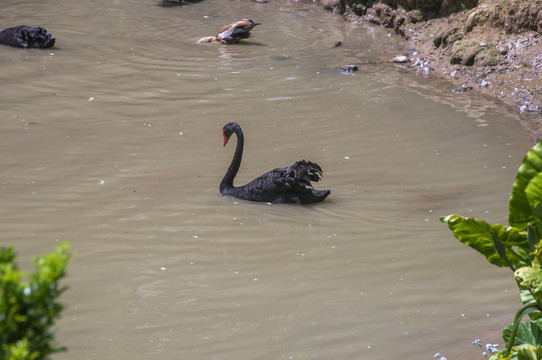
[27, 37]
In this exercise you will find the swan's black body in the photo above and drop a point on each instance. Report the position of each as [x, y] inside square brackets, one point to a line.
[26, 37]
[290, 184]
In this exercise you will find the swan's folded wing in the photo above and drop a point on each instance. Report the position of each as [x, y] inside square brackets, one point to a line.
[268, 186]
[287, 184]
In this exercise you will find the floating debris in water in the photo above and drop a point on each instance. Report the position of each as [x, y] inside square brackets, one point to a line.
[527, 107]
[462, 89]
[423, 66]
[347, 69]
[279, 98]
[281, 57]
[400, 59]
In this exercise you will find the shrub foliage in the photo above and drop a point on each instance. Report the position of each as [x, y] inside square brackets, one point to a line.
[28, 309]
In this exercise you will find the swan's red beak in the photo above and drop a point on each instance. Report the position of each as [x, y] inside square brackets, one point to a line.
[225, 139]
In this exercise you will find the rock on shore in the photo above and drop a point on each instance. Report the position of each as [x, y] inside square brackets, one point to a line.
[490, 45]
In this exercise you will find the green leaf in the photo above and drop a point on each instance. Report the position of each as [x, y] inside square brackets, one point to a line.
[500, 356]
[521, 213]
[534, 197]
[529, 353]
[530, 277]
[527, 333]
[526, 298]
[489, 240]
[7, 254]
[532, 237]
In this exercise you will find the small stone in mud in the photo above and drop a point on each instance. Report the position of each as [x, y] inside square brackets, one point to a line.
[462, 89]
[401, 59]
[503, 50]
[346, 69]
[338, 44]
[281, 57]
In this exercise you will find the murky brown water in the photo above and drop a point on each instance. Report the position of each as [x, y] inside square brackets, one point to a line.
[112, 141]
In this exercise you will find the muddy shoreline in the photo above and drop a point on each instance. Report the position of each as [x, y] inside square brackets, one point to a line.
[492, 47]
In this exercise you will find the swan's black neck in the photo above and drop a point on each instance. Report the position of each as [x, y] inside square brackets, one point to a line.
[227, 182]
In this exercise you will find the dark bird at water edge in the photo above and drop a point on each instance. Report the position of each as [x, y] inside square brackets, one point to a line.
[27, 37]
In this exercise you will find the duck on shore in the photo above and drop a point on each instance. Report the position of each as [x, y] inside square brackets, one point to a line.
[24, 36]
[232, 33]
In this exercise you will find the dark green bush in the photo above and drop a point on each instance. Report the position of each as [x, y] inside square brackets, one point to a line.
[28, 309]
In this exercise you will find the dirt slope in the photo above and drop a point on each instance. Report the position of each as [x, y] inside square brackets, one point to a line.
[490, 45]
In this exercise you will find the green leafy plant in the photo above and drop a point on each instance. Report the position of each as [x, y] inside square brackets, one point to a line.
[28, 309]
[519, 247]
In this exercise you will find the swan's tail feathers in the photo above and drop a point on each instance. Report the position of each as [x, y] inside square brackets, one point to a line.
[39, 38]
[307, 171]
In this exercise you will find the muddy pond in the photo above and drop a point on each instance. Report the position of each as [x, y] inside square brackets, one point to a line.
[112, 141]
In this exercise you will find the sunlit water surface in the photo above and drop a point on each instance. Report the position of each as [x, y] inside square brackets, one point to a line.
[112, 141]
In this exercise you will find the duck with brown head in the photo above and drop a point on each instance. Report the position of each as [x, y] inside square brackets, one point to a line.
[232, 32]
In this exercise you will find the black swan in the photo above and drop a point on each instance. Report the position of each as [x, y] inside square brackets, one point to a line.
[290, 184]
[232, 32]
[26, 37]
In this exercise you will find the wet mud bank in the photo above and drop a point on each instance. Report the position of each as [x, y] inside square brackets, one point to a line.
[485, 45]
